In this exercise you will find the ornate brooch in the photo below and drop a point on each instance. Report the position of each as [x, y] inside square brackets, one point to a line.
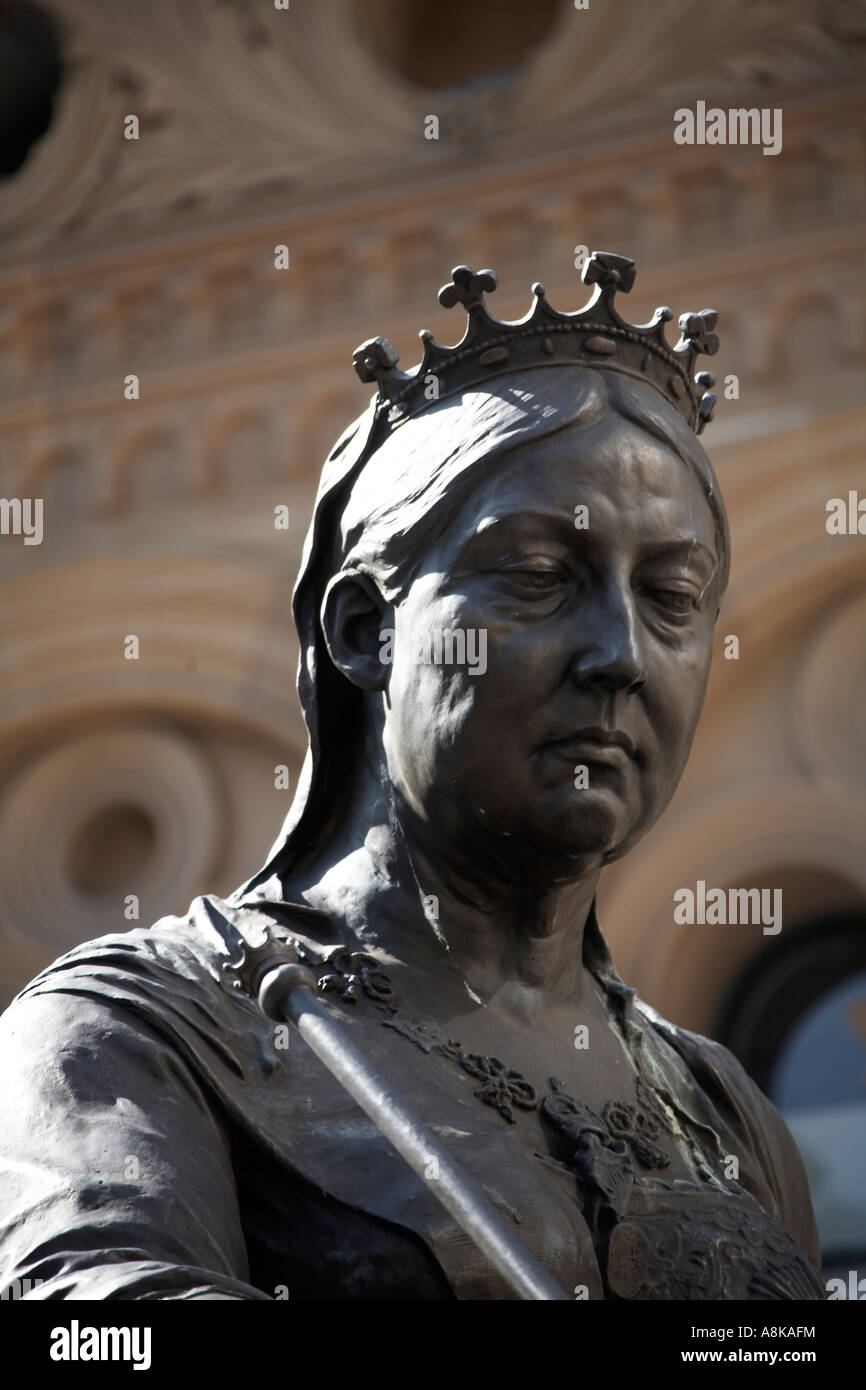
[501, 1086]
[352, 973]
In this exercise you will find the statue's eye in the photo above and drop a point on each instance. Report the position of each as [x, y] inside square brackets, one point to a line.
[539, 581]
[675, 602]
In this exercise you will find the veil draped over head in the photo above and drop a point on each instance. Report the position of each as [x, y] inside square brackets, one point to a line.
[382, 482]
[323, 692]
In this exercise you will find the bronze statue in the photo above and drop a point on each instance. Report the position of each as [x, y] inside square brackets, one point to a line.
[505, 610]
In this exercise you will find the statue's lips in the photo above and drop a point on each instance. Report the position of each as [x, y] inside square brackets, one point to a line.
[595, 744]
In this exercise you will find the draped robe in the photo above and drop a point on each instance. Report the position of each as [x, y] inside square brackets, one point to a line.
[157, 1142]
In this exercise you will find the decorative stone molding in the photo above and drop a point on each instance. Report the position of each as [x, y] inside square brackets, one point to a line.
[148, 783]
[235, 106]
[828, 715]
[216, 640]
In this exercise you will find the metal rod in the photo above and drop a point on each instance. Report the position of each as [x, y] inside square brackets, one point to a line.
[285, 993]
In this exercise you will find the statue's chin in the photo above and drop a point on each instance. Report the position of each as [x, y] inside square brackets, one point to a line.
[560, 843]
[593, 824]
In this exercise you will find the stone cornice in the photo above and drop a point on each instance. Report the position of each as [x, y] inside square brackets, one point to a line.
[566, 164]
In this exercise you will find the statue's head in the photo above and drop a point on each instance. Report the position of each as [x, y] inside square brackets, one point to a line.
[508, 595]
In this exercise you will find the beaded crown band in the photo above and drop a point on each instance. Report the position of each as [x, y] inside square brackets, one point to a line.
[595, 336]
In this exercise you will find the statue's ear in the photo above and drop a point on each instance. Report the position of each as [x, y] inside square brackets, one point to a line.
[357, 624]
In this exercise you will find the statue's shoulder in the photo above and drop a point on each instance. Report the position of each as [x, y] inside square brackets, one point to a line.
[700, 1051]
[193, 947]
[718, 1073]
[205, 946]
[749, 1113]
[181, 978]
[175, 979]
[163, 1002]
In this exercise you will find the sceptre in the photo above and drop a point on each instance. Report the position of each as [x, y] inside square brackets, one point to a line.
[286, 991]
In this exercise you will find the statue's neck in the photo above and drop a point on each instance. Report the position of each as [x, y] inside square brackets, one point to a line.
[396, 888]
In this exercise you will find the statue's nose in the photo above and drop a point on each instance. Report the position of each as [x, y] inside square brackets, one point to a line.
[608, 654]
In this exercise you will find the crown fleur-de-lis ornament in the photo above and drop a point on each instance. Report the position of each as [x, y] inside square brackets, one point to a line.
[610, 271]
[696, 329]
[596, 336]
[467, 287]
[375, 357]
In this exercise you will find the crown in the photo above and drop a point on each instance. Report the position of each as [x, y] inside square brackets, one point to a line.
[595, 336]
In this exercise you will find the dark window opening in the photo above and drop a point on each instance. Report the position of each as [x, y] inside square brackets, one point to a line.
[797, 1021]
[30, 73]
[449, 43]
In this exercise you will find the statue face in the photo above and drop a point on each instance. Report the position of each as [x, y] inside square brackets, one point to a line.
[556, 747]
